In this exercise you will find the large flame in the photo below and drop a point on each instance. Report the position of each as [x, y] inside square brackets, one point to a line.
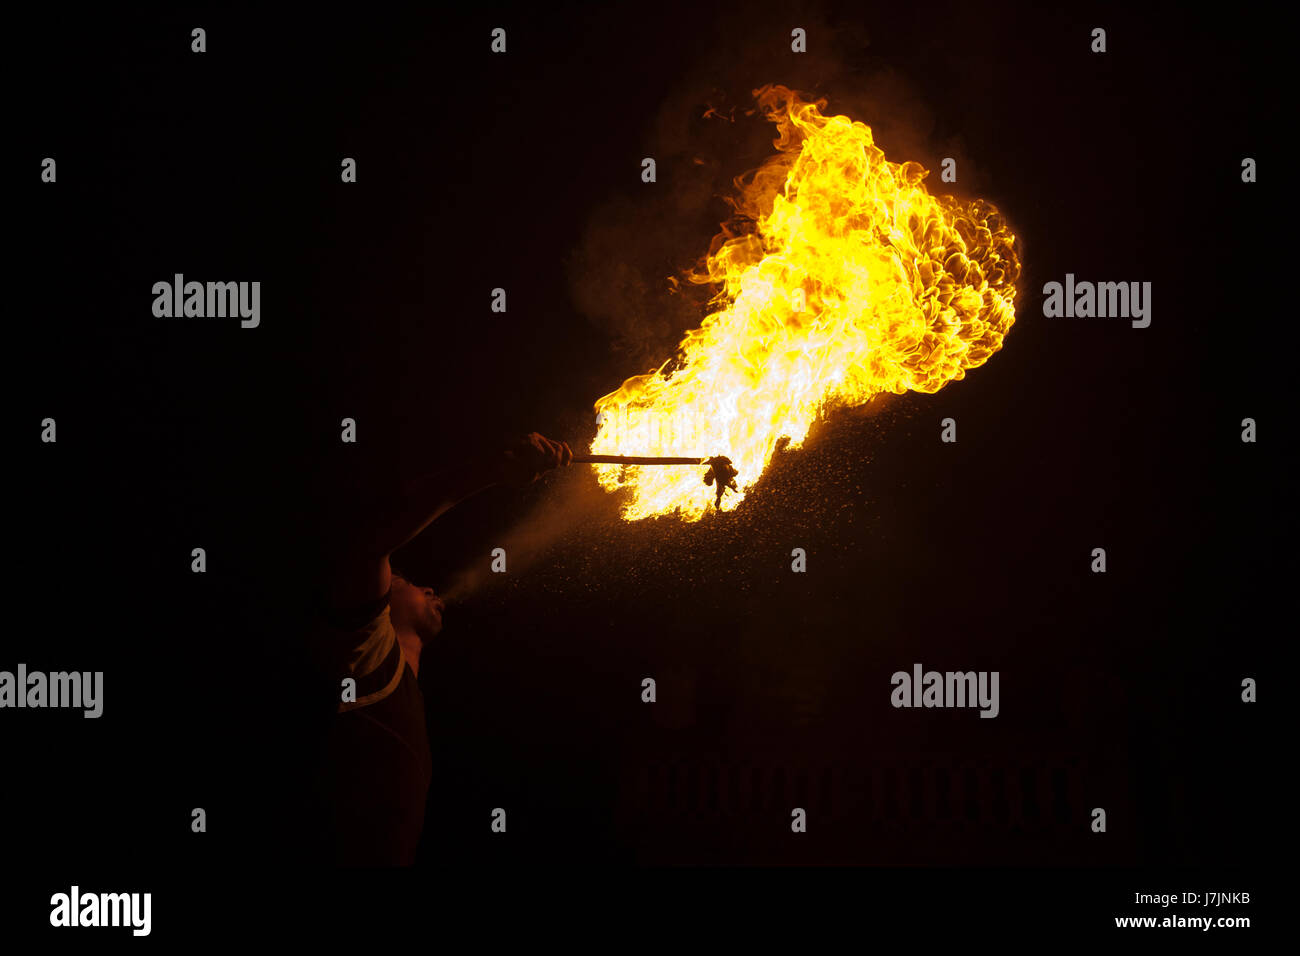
[851, 280]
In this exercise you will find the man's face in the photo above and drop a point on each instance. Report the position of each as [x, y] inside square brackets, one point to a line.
[415, 609]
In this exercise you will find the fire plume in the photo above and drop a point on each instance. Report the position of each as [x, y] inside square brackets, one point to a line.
[845, 279]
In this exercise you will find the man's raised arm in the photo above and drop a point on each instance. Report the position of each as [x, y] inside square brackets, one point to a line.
[360, 572]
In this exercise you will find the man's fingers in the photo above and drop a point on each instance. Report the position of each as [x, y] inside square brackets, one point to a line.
[539, 454]
[557, 453]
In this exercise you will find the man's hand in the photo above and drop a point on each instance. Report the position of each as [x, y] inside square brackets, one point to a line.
[527, 459]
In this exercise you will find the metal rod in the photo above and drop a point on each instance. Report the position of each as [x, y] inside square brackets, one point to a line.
[633, 460]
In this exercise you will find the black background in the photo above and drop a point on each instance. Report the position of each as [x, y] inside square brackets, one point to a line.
[523, 171]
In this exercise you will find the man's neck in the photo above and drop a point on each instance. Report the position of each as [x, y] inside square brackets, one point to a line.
[411, 646]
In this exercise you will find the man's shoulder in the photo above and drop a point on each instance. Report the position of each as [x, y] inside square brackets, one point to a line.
[360, 645]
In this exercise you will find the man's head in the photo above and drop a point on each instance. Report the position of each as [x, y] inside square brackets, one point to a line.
[415, 609]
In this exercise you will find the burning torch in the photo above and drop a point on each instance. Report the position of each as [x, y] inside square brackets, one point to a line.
[720, 474]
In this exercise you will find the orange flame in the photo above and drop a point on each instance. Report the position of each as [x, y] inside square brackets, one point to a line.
[853, 280]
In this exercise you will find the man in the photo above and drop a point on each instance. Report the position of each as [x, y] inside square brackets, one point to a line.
[378, 767]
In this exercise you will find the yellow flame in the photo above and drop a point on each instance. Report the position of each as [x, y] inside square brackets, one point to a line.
[852, 281]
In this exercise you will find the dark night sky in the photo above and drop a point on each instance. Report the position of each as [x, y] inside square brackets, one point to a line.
[523, 171]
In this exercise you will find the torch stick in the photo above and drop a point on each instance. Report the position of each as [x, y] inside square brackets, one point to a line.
[633, 460]
[720, 470]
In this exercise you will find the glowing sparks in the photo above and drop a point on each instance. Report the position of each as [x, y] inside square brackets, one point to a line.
[853, 281]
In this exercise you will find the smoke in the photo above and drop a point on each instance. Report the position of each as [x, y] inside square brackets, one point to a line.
[571, 500]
